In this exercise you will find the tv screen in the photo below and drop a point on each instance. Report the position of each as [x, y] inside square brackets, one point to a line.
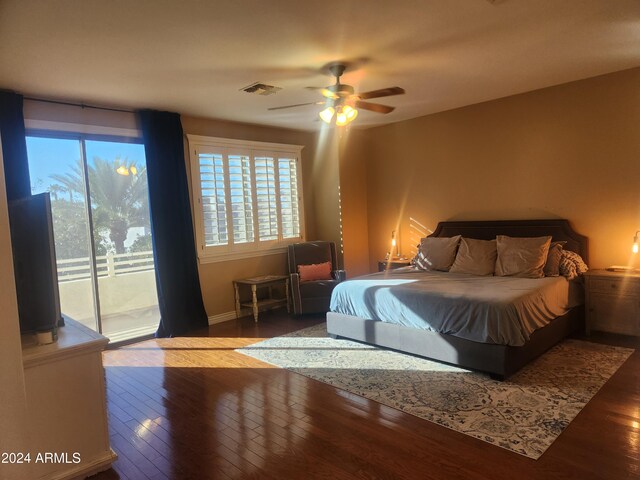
[34, 262]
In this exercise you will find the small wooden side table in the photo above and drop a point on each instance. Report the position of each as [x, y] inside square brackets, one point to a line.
[265, 281]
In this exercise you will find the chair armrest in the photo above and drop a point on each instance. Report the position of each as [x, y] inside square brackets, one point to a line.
[340, 275]
[294, 293]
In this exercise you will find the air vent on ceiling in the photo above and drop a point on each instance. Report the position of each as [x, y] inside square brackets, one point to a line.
[261, 89]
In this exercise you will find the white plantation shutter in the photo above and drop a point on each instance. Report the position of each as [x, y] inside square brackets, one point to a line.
[241, 198]
[266, 198]
[289, 199]
[214, 211]
[250, 197]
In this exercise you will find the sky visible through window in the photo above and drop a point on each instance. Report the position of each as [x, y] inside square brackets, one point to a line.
[48, 156]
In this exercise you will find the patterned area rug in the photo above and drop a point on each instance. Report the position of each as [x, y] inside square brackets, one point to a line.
[524, 414]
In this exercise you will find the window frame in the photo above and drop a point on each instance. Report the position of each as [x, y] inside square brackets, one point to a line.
[232, 251]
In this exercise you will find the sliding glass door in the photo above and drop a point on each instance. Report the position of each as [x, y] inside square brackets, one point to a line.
[99, 200]
[55, 167]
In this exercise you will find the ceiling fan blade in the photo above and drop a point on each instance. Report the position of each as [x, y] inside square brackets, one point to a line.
[296, 105]
[383, 92]
[374, 107]
[325, 92]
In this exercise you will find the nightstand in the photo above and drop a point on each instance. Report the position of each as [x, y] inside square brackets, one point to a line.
[612, 302]
[391, 264]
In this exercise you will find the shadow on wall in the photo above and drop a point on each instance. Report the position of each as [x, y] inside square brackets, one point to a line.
[417, 231]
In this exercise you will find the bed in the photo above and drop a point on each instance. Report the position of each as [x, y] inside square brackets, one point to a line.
[483, 340]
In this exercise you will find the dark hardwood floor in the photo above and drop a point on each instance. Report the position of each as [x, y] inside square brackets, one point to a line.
[192, 408]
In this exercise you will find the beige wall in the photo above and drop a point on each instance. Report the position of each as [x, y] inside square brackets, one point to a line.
[353, 195]
[570, 151]
[13, 411]
[325, 181]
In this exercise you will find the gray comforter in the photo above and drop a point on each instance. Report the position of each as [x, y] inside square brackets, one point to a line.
[501, 310]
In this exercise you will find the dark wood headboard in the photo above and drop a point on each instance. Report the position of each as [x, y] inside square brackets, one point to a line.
[560, 230]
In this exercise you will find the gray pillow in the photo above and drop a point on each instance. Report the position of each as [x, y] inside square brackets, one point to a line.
[552, 267]
[522, 257]
[437, 253]
[477, 257]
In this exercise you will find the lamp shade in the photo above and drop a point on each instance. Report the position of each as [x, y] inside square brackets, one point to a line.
[350, 112]
[327, 114]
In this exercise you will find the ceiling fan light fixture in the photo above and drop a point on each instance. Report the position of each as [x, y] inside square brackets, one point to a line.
[345, 115]
[327, 114]
[350, 112]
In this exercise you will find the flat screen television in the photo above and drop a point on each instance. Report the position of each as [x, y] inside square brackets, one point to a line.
[34, 263]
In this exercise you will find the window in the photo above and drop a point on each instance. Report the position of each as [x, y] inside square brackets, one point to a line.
[247, 197]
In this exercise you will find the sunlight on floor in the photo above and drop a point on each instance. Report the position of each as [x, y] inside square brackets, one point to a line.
[184, 352]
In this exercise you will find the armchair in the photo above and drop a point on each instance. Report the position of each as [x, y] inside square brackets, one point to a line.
[312, 296]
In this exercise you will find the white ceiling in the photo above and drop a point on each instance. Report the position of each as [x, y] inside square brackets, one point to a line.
[193, 56]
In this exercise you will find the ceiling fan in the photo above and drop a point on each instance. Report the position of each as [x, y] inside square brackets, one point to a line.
[342, 101]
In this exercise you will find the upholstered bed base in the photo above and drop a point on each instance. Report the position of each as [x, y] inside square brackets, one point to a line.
[499, 360]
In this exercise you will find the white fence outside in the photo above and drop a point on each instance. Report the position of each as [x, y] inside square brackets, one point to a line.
[109, 265]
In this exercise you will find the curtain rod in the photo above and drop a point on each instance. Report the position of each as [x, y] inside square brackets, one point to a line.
[82, 105]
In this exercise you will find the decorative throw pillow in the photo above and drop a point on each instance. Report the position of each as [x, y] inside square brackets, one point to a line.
[552, 267]
[315, 271]
[437, 253]
[572, 265]
[477, 257]
[522, 257]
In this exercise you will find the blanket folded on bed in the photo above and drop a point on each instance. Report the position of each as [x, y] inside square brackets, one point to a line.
[572, 265]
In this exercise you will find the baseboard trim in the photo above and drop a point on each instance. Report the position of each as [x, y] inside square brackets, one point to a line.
[226, 316]
[85, 469]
